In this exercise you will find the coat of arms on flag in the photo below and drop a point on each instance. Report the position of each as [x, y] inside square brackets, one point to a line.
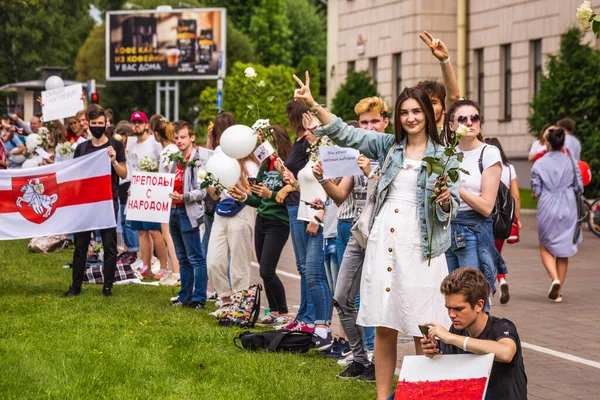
[36, 197]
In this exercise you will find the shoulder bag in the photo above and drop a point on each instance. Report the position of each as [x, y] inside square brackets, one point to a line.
[582, 207]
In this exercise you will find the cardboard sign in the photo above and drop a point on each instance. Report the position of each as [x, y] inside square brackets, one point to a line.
[461, 376]
[149, 200]
[263, 151]
[204, 154]
[62, 102]
[339, 161]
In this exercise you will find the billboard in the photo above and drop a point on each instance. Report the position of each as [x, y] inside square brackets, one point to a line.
[165, 45]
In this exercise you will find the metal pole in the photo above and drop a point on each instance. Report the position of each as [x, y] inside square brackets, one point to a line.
[158, 97]
[176, 116]
[168, 100]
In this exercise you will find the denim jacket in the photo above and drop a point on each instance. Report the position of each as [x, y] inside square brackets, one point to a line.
[193, 195]
[376, 146]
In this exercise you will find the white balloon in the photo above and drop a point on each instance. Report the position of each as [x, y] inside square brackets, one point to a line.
[238, 141]
[225, 169]
[54, 82]
[18, 159]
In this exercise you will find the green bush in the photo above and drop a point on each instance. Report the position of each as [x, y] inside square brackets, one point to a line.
[572, 89]
[358, 85]
[237, 95]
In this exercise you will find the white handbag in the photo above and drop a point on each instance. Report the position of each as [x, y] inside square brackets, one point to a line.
[362, 228]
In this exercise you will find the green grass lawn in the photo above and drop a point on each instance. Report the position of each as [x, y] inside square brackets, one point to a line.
[526, 201]
[134, 345]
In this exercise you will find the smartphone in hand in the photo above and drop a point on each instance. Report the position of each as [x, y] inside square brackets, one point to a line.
[251, 181]
[424, 330]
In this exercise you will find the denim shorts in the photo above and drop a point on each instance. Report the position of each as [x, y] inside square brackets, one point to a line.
[145, 226]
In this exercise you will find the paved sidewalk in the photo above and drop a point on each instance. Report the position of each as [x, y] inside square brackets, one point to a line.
[569, 328]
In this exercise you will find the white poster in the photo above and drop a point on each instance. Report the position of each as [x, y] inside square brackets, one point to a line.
[149, 200]
[62, 102]
[339, 161]
[263, 151]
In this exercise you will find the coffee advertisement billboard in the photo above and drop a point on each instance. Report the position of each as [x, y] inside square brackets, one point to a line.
[165, 45]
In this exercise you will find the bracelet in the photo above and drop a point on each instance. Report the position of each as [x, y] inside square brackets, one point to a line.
[323, 181]
[446, 61]
[245, 198]
[371, 174]
[465, 343]
[314, 110]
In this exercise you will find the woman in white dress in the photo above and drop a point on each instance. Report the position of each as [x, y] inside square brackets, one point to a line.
[399, 290]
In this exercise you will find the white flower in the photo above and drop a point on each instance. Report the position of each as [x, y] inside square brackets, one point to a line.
[261, 83]
[250, 73]
[117, 137]
[260, 124]
[584, 14]
[165, 155]
[202, 174]
[32, 142]
[65, 150]
[461, 131]
[147, 165]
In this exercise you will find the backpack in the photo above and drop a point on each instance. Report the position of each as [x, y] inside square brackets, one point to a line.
[48, 244]
[243, 309]
[504, 210]
[276, 341]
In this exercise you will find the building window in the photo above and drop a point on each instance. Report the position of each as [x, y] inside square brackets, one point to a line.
[479, 75]
[536, 47]
[351, 67]
[506, 76]
[373, 69]
[397, 70]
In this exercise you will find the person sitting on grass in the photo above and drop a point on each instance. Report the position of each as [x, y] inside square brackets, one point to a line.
[474, 331]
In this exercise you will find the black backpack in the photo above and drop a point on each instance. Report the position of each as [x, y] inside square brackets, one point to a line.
[277, 341]
[504, 210]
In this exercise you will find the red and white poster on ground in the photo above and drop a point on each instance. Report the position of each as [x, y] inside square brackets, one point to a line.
[444, 377]
[71, 196]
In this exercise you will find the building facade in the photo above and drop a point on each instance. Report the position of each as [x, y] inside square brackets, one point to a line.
[505, 43]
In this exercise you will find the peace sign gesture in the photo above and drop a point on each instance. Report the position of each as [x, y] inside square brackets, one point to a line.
[303, 94]
[438, 48]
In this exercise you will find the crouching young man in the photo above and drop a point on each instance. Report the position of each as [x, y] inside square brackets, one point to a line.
[187, 211]
[474, 331]
[99, 142]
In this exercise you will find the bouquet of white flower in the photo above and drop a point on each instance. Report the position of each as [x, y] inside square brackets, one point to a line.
[66, 150]
[588, 18]
[147, 165]
[168, 154]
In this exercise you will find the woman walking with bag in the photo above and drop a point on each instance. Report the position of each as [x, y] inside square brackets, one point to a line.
[555, 178]
[399, 290]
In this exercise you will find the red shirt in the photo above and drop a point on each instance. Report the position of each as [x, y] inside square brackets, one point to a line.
[178, 187]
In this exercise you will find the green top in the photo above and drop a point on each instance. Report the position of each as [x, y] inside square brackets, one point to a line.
[269, 208]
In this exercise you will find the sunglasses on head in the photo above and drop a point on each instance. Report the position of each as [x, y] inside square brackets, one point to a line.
[462, 119]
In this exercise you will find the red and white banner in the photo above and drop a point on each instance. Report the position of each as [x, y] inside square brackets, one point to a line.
[67, 197]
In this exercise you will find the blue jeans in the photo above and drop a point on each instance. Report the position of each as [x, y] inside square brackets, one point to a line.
[368, 331]
[306, 311]
[131, 238]
[332, 266]
[343, 236]
[316, 278]
[192, 264]
[208, 222]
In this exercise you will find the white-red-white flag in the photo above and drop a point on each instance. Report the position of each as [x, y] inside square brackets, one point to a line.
[67, 197]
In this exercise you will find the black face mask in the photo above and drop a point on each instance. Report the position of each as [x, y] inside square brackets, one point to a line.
[97, 131]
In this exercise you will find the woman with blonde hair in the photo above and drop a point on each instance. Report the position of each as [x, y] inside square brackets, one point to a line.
[163, 133]
[232, 233]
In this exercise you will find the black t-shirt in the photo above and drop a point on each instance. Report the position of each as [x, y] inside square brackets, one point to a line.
[119, 149]
[295, 161]
[123, 189]
[507, 380]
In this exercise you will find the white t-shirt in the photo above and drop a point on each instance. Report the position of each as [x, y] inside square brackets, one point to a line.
[149, 148]
[310, 189]
[166, 167]
[470, 162]
[508, 174]
[536, 147]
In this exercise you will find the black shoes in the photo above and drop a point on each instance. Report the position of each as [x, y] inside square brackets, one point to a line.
[107, 291]
[368, 375]
[353, 371]
[72, 292]
[196, 305]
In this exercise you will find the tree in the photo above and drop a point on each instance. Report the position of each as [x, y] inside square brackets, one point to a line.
[572, 89]
[279, 84]
[238, 11]
[358, 85]
[270, 33]
[309, 63]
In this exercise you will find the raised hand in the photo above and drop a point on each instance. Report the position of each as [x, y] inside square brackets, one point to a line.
[438, 48]
[303, 94]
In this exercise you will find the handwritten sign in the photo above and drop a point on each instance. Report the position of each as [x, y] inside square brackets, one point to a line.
[263, 151]
[62, 102]
[339, 161]
[460, 376]
[149, 199]
[204, 154]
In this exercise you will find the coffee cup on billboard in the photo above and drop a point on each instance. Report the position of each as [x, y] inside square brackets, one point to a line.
[173, 57]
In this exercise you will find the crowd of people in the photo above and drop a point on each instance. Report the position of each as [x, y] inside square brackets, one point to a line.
[433, 263]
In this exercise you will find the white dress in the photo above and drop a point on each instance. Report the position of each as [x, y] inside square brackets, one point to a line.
[398, 290]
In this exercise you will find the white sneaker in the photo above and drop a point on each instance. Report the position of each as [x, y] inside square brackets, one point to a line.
[344, 362]
[173, 298]
[138, 264]
[370, 355]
